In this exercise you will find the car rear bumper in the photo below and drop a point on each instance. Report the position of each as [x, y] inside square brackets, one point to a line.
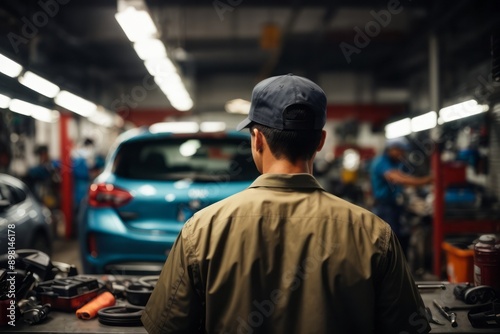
[134, 268]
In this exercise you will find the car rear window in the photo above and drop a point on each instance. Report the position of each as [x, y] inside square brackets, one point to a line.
[199, 159]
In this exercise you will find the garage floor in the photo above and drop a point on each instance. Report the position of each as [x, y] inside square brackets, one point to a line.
[67, 251]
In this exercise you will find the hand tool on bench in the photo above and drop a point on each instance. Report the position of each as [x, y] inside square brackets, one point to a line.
[452, 317]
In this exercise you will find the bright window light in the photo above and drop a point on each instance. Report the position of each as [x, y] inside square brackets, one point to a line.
[75, 103]
[461, 110]
[161, 67]
[238, 106]
[174, 127]
[150, 49]
[39, 84]
[424, 122]
[4, 101]
[29, 109]
[398, 129]
[137, 24]
[212, 126]
[9, 67]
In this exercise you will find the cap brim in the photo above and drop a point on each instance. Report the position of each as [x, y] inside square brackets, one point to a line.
[243, 124]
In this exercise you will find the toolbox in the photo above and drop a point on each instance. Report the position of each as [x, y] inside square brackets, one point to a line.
[68, 294]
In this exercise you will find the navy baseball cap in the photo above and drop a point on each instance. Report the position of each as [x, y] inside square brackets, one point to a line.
[273, 98]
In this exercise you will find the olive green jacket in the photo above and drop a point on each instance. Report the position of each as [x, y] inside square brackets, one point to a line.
[285, 256]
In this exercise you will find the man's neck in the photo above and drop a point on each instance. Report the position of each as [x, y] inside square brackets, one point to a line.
[287, 167]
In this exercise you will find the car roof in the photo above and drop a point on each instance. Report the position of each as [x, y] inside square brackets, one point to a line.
[144, 133]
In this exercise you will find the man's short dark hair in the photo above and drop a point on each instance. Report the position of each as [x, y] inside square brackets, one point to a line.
[42, 149]
[292, 145]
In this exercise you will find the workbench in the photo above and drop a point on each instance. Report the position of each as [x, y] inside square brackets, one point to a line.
[61, 322]
[65, 322]
[446, 298]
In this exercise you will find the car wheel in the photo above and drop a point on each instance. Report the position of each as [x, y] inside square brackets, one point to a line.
[41, 242]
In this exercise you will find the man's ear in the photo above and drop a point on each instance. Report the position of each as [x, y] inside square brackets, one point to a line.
[258, 140]
[322, 141]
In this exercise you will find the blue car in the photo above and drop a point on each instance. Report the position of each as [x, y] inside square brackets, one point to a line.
[152, 183]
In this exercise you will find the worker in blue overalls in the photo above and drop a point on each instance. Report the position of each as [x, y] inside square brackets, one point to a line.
[388, 178]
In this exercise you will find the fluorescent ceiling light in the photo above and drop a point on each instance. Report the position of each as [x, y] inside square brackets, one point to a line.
[75, 103]
[21, 107]
[39, 84]
[182, 104]
[160, 68]
[150, 49]
[29, 109]
[49, 116]
[117, 121]
[174, 127]
[101, 117]
[4, 101]
[137, 24]
[175, 91]
[461, 110]
[424, 122]
[166, 82]
[238, 106]
[398, 129]
[212, 126]
[9, 67]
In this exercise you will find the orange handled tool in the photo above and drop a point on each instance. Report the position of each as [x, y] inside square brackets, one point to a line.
[89, 310]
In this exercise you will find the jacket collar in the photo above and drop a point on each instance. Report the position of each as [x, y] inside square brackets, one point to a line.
[286, 181]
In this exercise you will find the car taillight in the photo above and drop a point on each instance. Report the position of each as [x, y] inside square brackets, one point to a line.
[92, 245]
[107, 195]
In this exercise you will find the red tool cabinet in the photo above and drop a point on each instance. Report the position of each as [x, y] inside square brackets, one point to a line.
[446, 173]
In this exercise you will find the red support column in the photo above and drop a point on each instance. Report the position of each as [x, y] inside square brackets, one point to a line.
[438, 210]
[66, 174]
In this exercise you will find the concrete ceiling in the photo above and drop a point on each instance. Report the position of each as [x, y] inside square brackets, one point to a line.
[81, 47]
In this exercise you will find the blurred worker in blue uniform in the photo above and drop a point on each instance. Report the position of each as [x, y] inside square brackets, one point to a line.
[388, 178]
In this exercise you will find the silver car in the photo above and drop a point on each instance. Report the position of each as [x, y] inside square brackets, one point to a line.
[24, 221]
